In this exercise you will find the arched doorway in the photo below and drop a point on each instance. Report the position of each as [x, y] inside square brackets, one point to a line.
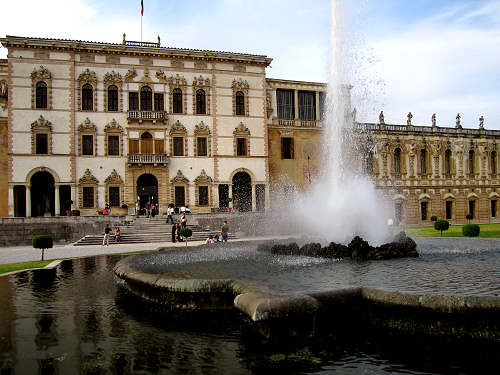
[242, 192]
[42, 194]
[147, 189]
[146, 143]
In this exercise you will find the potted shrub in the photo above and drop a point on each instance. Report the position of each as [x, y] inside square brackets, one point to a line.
[68, 204]
[469, 217]
[186, 233]
[441, 225]
[42, 241]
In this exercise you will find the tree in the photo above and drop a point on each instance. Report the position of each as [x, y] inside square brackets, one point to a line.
[42, 241]
[441, 225]
[186, 233]
[434, 218]
[469, 217]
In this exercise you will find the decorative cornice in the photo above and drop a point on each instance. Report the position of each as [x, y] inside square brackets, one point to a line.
[203, 178]
[177, 81]
[160, 75]
[241, 129]
[240, 84]
[112, 126]
[87, 77]
[178, 128]
[40, 74]
[201, 82]
[114, 178]
[88, 178]
[130, 75]
[41, 123]
[87, 126]
[201, 128]
[179, 178]
[112, 77]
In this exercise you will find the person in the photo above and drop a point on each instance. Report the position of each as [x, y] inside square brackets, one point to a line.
[107, 208]
[148, 209]
[208, 240]
[178, 231]
[183, 220]
[153, 210]
[137, 208]
[187, 210]
[105, 239]
[183, 209]
[170, 213]
[174, 231]
[118, 236]
[224, 231]
[216, 237]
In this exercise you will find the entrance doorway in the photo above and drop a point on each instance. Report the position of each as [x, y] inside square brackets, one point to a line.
[147, 189]
[223, 196]
[242, 192]
[19, 201]
[42, 194]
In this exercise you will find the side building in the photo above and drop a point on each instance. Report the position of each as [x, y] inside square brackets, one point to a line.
[95, 123]
[4, 77]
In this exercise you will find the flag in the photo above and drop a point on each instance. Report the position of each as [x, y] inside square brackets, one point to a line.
[142, 8]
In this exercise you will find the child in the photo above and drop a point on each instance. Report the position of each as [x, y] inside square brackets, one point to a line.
[208, 240]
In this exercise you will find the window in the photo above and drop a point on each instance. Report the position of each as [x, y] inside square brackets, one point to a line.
[449, 205]
[159, 104]
[200, 102]
[307, 105]
[42, 144]
[397, 161]
[287, 148]
[178, 146]
[88, 197]
[423, 210]
[493, 162]
[87, 144]
[471, 161]
[41, 95]
[494, 208]
[472, 206]
[146, 99]
[113, 145]
[240, 104]
[201, 146]
[203, 195]
[447, 162]
[177, 100]
[241, 149]
[159, 146]
[423, 161]
[114, 196]
[133, 101]
[284, 99]
[322, 99]
[146, 143]
[112, 98]
[180, 196]
[87, 97]
[133, 146]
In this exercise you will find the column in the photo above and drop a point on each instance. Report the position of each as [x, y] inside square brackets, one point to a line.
[11, 201]
[230, 191]
[317, 106]
[296, 103]
[254, 203]
[73, 197]
[28, 200]
[215, 194]
[57, 206]
[267, 199]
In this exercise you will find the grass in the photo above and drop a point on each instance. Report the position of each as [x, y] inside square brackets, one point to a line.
[4, 268]
[487, 231]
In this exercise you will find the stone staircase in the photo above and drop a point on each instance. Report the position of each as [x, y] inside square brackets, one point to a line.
[147, 230]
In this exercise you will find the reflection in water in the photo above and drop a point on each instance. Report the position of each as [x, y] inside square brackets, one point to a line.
[79, 319]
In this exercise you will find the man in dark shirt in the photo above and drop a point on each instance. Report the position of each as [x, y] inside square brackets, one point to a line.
[174, 231]
[224, 231]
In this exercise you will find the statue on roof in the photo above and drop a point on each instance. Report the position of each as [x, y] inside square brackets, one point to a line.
[458, 126]
[433, 119]
[481, 122]
[381, 118]
[410, 116]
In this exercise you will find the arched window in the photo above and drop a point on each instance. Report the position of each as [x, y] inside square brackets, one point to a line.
[471, 161]
[87, 97]
[447, 162]
[200, 102]
[423, 161]
[397, 161]
[146, 143]
[240, 104]
[493, 162]
[177, 100]
[146, 99]
[41, 95]
[112, 98]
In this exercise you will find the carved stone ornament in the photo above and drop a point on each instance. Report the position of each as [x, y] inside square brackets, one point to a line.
[177, 81]
[3, 88]
[178, 128]
[130, 75]
[381, 118]
[88, 77]
[269, 104]
[88, 178]
[201, 128]
[240, 84]
[112, 78]
[458, 125]
[203, 178]
[409, 116]
[113, 125]
[41, 73]
[87, 126]
[200, 81]
[41, 123]
[160, 75]
[113, 179]
[179, 178]
[241, 129]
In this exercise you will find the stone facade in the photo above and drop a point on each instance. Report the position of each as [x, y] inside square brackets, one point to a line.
[3, 138]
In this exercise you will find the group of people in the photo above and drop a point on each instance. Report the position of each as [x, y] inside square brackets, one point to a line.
[221, 236]
[107, 233]
[177, 226]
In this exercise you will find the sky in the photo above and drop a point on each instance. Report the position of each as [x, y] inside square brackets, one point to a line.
[400, 56]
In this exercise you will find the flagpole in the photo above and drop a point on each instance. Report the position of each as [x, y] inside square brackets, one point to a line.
[141, 27]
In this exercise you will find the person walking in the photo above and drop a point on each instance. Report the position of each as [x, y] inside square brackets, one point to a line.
[105, 239]
[174, 231]
[224, 231]
[148, 209]
[170, 213]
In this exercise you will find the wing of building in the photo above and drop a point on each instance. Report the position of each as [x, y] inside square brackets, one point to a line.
[84, 125]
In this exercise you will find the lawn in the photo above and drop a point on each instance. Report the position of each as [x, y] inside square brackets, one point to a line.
[487, 231]
[4, 268]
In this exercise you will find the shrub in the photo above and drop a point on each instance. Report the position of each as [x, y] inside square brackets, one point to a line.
[42, 241]
[469, 216]
[186, 233]
[434, 218]
[441, 225]
[470, 230]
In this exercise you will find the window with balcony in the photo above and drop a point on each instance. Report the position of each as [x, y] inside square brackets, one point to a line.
[146, 143]
[287, 148]
[159, 103]
[285, 104]
[87, 97]
[146, 99]
[177, 100]
[42, 143]
[178, 146]
[307, 105]
[112, 98]
[201, 107]
[133, 101]
[41, 95]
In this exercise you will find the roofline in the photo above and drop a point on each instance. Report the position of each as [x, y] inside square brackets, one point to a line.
[115, 48]
[291, 81]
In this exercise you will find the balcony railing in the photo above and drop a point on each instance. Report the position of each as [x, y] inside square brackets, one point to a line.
[147, 115]
[297, 123]
[147, 158]
[425, 129]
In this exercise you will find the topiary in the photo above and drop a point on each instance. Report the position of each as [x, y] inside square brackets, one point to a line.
[471, 230]
[434, 218]
[469, 216]
[441, 225]
[42, 241]
[186, 233]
